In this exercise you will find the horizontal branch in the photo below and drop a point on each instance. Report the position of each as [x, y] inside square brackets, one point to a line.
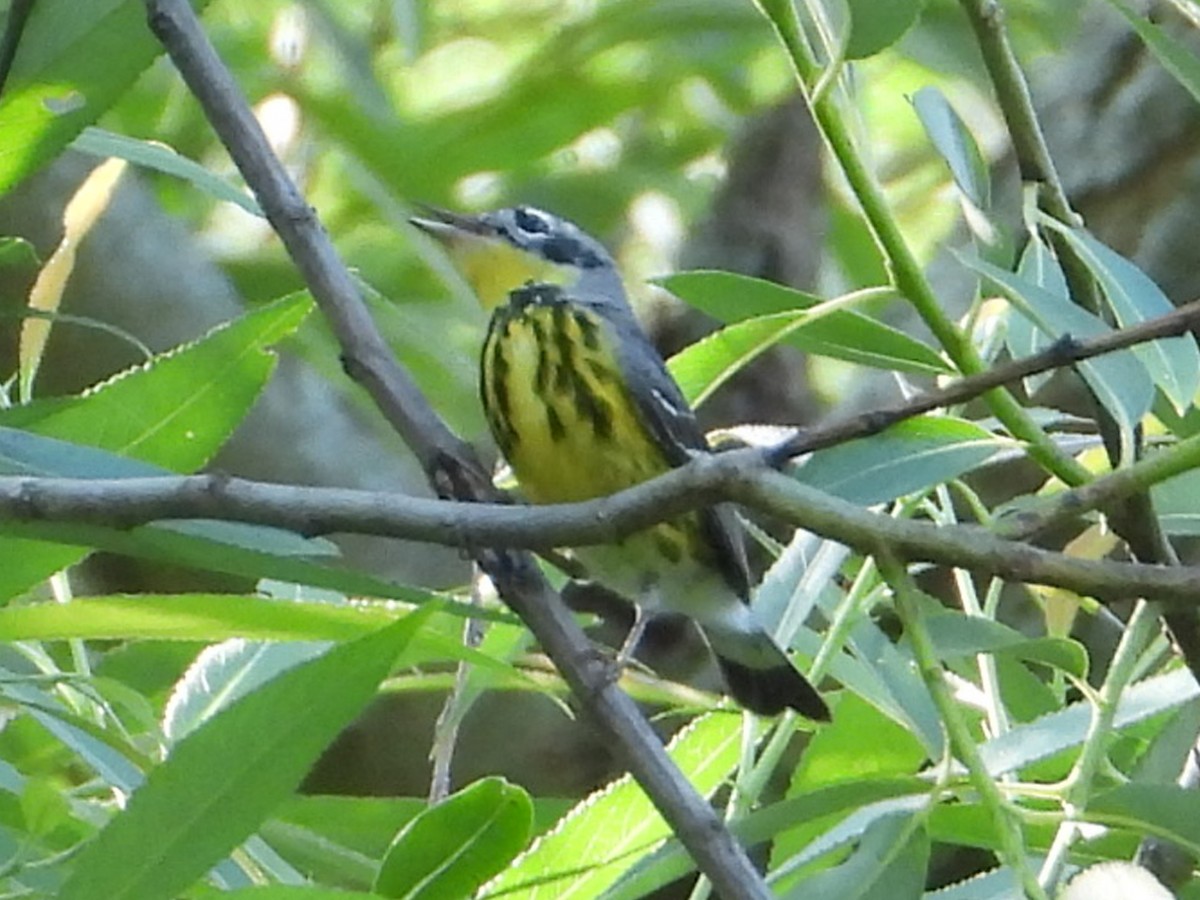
[741, 476]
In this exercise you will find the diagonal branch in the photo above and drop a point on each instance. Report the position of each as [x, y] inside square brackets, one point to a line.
[448, 462]
[1064, 352]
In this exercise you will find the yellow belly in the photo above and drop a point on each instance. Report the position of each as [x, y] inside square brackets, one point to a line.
[559, 408]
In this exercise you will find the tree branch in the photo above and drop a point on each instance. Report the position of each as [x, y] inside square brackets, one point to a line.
[448, 462]
[29, 506]
[365, 355]
[1064, 352]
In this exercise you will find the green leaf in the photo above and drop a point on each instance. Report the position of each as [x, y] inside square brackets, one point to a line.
[860, 745]
[1173, 363]
[224, 617]
[44, 806]
[1176, 57]
[190, 617]
[955, 143]
[882, 673]
[1164, 810]
[826, 331]
[161, 158]
[824, 809]
[103, 751]
[296, 892]
[998, 884]
[970, 823]
[956, 635]
[174, 412]
[452, 848]
[15, 251]
[1021, 335]
[75, 60]
[1169, 747]
[839, 752]
[1177, 503]
[702, 367]
[795, 582]
[875, 26]
[219, 783]
[179, 409]
[229, 547]
[224, 673]
[890, 861]
[1044, 737]
[908, 457]
[339, 840]
[614, 828]
[1119, 380]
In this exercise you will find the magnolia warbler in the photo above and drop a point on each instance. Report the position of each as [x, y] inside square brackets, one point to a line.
[581, 405]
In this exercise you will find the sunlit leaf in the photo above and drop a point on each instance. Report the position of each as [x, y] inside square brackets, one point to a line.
[452, 848]
[611, 830]
[231, 772]
[908, 457]
[75, 60]
[760, 313]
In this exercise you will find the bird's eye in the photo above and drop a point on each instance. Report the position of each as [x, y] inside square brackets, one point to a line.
[530, 222]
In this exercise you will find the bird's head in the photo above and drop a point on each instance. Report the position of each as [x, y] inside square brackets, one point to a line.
[498, 252]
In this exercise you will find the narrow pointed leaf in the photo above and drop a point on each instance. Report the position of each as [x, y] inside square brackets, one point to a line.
[1067, 727]
[955, 144]
[1119, 380]
[839, 333]
[219, 784]
[161, 158]
[1173, 363]
[1167, 811]
[909, 457]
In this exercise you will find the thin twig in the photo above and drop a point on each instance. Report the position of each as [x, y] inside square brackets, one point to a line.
[1154, 468]
[1064, 352]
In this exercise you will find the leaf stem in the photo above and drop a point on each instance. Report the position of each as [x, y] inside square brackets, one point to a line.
[1139, 630]
[905, 271]
[962, 741]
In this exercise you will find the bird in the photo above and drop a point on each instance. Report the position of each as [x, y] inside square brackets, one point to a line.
[581, 405]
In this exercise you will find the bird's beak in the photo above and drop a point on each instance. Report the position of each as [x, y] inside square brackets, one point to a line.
[445, 225]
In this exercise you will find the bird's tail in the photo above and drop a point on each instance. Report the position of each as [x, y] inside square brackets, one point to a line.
[760, 676]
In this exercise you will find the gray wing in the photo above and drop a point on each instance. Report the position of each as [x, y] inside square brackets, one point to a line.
[670, 420]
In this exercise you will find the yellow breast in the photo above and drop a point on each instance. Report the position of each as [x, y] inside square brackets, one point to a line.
[558, 404]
